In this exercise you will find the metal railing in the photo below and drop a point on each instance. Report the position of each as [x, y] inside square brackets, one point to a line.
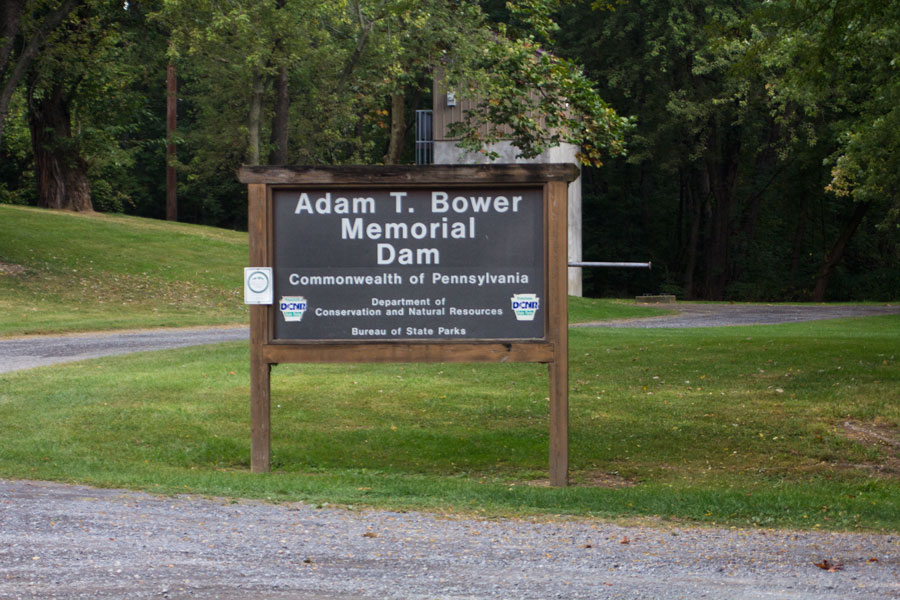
[622, 265]
[424, 137]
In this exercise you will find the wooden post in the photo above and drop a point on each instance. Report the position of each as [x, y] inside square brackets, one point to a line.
[259, 409]
[259, 329]
[171, 123]
[558, 317]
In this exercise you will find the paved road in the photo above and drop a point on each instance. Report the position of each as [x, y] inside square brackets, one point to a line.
[39, 351]
[722, 315]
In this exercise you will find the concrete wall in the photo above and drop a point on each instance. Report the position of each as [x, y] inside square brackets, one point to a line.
[447, 153]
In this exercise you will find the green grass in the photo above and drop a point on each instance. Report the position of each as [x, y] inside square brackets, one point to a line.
[586, 310]
[98, 271]
[737, 426]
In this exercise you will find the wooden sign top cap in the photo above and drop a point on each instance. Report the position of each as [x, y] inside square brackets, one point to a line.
[410, 174]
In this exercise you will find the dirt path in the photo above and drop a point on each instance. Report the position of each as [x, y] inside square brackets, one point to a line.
[64, 541]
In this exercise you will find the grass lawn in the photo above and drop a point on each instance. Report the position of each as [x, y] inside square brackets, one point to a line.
[790, 425]
[766, 425]
[75, 272]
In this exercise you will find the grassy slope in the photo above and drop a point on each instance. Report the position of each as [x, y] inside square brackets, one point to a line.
[92, 272]
[95, 272]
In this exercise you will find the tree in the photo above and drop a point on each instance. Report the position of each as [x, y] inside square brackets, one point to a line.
[724, 188]
[529, 95]
[60, 167]
[839, 59]
[86, 110]
[24, 33]
[233, 56]
[335, 83]
[701, 137]
[59, 60]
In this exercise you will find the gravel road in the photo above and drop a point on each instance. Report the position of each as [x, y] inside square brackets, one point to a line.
[36, 351]
[724, 315]
[64, 541]
[41, 350]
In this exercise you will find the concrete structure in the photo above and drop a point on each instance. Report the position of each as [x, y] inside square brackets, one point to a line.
[446, 109]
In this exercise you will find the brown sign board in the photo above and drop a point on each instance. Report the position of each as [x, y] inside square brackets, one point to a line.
[411, 264]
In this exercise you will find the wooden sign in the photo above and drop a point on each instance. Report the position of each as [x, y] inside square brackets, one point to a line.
[411, 264]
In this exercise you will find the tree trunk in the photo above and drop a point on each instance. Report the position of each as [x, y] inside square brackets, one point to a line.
[365, 29]
[837, 251]
[717, 252]
[171, 124]
[255, 118]
[61, 172]
[797, 247]
[398, 129]
[722, 172]
[281, 120]
[695, 208]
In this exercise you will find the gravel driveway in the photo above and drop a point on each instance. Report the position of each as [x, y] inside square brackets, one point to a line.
[64, 541]
[42, 350]
[37, 351]
[723, 315]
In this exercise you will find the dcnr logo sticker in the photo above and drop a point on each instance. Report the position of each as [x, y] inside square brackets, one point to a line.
[525, 305]
[292, 307]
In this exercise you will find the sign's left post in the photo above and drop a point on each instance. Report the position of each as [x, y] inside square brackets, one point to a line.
[259, 330]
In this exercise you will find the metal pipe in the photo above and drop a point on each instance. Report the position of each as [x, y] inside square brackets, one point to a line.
[625, 265]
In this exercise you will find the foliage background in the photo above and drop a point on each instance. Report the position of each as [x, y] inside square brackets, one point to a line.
[761, 159]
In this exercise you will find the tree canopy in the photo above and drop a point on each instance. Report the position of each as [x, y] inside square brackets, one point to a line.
[763, 140]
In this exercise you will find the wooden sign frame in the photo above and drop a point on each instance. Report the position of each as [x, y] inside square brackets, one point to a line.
[552, 350]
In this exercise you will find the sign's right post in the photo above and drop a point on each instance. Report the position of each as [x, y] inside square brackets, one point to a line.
[558, 317]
